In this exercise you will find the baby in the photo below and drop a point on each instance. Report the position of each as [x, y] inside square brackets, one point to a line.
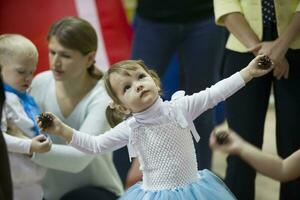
[18, 60]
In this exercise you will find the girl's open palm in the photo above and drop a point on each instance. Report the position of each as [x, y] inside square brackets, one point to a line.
[255, 70]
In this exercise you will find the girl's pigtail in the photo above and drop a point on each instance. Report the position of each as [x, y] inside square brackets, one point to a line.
[113, 116]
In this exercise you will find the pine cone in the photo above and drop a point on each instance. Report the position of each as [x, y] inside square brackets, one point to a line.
[264, 62]
[46, 120]
[222, 137]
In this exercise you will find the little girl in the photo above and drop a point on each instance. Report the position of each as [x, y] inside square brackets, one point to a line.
[158, 132]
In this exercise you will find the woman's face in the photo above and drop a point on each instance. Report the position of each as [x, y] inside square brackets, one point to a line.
[67, 64]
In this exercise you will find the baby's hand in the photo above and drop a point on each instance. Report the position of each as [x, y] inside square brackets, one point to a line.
[40, 144]
[259, 66]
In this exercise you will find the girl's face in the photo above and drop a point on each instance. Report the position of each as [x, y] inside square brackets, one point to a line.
[68, 64]
[136, 89]
[19, 73]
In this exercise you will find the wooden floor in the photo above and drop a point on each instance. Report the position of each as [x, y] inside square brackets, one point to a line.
[266, 188]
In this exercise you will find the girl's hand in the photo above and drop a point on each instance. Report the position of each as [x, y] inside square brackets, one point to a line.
[233, 145]
[253, 70]
[40, 144]
[53, 126]
[56, 127]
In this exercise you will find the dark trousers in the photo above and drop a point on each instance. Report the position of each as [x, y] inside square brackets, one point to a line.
[246, 112]
[89, 193]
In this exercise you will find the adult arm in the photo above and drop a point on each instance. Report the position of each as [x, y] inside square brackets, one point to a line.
[239, 27]
[230, 14]
[278, 48]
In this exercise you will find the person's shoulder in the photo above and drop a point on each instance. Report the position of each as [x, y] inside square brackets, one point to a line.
[99, 89]
[43, 77]
[41, 83]
[100, 85]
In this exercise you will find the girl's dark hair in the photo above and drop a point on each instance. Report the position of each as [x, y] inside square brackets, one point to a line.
[113, 116]
[77, 34]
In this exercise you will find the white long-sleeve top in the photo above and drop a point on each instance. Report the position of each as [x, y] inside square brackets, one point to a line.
[66, 165]
[160, 136]
[26, 175]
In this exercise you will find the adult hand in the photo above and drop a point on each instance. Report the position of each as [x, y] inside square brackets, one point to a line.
[281, 70]
[276, 52]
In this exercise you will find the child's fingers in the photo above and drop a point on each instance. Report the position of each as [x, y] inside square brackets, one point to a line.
[40, 137]
[46, 145]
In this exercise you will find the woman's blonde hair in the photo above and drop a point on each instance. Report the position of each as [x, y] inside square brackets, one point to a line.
[113, 116]
[77, 34]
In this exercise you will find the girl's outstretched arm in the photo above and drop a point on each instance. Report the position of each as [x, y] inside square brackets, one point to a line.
[270, 165]
[111, 140]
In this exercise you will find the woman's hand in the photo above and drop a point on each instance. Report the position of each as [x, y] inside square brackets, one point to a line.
[276, 51]
[281, 70]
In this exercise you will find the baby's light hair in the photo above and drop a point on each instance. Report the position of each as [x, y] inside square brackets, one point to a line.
[113, 116]
[14, 45]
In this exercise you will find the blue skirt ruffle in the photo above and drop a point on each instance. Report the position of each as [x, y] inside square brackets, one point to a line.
[208, 187]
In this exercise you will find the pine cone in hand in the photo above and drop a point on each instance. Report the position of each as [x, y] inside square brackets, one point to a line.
[264, 62]
[221, 137]
[46, 120]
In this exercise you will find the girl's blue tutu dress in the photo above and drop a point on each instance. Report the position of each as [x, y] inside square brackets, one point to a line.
[165, 149]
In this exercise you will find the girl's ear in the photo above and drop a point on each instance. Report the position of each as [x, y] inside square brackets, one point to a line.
[91, 57]
[123, 109]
